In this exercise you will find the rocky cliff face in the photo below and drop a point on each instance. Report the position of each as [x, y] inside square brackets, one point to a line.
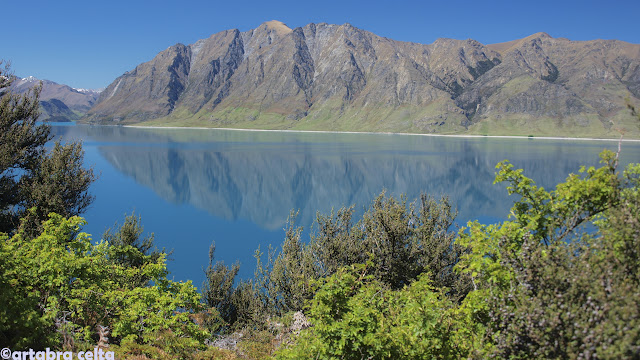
[338, 77]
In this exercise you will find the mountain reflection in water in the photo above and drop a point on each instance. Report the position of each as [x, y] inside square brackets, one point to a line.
[261, 176]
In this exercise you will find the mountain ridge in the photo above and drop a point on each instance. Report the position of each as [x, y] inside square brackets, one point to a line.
[58, 102]
[338, 77]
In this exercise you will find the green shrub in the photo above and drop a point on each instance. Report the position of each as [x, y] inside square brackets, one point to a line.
[560, 279]
[554, 282]
[401, 240]
[58, 288]
[355, 316]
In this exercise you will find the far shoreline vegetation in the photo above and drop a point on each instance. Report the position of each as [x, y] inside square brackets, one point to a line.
[559, 279]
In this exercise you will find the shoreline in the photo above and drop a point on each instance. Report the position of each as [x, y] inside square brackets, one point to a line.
[382, 133]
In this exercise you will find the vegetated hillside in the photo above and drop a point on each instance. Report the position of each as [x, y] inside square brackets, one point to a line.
[58, 102]
[338, 77]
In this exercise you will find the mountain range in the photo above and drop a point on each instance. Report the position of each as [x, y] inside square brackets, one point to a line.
[339, 77]
[58, 102]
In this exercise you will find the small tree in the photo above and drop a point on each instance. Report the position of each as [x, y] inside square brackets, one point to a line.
[29, 175]
[217, 290]
[129, 235]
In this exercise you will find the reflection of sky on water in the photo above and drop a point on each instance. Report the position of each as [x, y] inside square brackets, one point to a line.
[237, 188]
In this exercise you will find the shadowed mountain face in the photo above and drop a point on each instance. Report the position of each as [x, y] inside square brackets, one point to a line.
[338, 77]
[261, 177]
[59, 103]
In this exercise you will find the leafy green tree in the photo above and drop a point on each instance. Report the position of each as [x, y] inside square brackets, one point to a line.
[29, 176]
[548, 218]
[58, 288]
[58, 183]
[21, 144]
[128, 236]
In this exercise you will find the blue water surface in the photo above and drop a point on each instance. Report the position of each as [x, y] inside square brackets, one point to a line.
[192, 186]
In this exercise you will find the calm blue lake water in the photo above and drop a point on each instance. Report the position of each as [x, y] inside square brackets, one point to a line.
[237, 188]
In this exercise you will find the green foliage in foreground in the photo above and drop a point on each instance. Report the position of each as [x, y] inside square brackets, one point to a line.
[401, 240]
[58, 289]
[356, 316]
[544, 285]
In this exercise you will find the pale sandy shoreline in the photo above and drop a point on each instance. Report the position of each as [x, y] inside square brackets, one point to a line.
[384, 133]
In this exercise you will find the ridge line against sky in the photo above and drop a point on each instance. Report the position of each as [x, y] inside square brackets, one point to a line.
[88, 44]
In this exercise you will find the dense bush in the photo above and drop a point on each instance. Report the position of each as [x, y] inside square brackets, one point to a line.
[218, 293]
[401, 241]
[58, 288]
[356, 316]
[550, 281]
[559, 280]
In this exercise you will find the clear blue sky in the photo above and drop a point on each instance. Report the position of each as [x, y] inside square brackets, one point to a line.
[87, 44]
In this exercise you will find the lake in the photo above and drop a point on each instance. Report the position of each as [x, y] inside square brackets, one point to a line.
[237, 188]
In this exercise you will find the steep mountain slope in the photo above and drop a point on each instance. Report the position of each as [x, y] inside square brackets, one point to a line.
[338, 77]
[58, 102]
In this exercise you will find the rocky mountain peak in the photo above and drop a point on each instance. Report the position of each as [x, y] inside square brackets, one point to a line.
[542, 35]
[340, 77]
[508, 46]
[276, 26]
